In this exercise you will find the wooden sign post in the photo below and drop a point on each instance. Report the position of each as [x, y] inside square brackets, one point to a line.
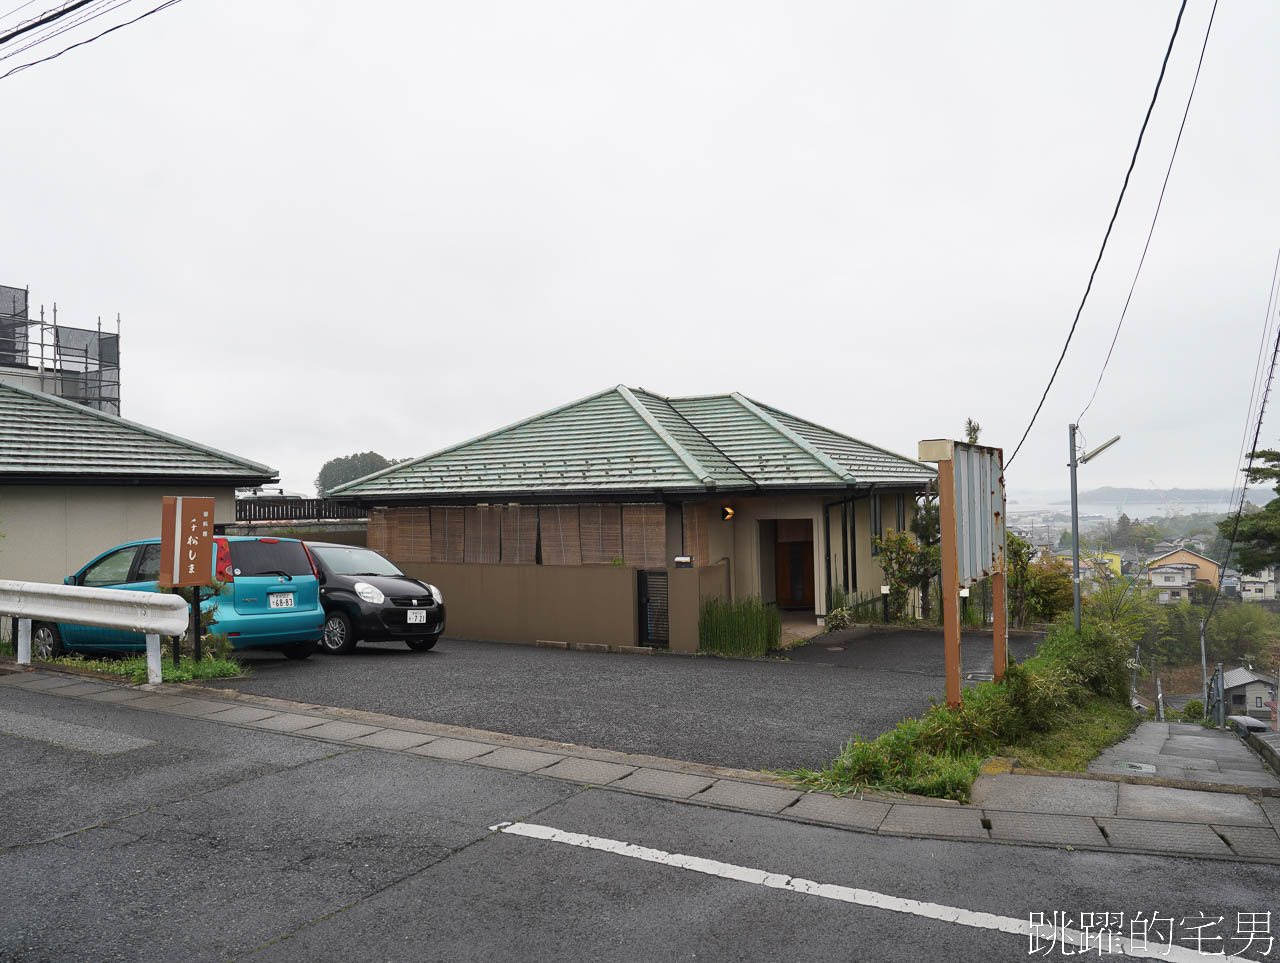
[186, 554]
[971, 522]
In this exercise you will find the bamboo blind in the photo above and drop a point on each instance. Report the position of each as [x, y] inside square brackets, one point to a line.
[447, 527]
[696, 533]
[377, 537]
[644, 535]
[558, 527]
[600, 533]
[519, 535]
[410, 535]
[482, 540]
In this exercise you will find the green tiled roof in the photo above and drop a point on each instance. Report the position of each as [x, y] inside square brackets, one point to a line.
[42, 436]
[628, 440]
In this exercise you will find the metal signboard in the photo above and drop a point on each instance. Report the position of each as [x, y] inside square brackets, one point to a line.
[186, 541]
[971, 504]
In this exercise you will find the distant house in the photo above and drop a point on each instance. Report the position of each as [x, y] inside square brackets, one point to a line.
[1247, 693]
[1258, 587]
[1172, 581]
[1165, 547]
[1206, 569]
[75, 481]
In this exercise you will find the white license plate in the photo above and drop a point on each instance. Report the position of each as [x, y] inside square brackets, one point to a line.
[280, 600]
[418, 617]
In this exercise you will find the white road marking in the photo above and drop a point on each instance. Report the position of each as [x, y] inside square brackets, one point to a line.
[846, 894]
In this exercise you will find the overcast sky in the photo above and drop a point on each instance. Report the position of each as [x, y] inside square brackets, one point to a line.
[338, 227]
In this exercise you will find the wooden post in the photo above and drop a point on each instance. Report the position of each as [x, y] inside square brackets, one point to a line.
[1000, 625]
[950, 579]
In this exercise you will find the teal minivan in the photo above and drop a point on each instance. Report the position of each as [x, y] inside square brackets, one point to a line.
[268, 597]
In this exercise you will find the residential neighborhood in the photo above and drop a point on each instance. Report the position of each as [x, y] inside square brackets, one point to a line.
[587, 481]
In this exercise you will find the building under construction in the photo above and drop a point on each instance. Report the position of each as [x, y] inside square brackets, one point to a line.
[42, 354]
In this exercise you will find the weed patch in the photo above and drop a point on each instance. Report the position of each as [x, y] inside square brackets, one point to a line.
[134, 668]
[1054, 711]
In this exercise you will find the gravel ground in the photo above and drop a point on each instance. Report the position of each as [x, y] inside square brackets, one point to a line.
[762, 714]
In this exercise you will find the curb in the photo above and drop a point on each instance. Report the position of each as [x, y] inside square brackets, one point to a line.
[733, 790]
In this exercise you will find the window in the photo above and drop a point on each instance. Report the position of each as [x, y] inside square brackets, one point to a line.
[112, 570]
[1175, 594]
[148, 564]
[877, 525]
[1237, 699]
[1257, 702]
[257, 557]
[902, 513]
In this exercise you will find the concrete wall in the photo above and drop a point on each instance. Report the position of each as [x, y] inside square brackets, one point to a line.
[51, 531]
[525, 603]
[686, 588]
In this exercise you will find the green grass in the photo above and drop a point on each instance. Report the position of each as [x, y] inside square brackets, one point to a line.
[1054, 711]
[134, 668]
[1081, 733]
[746, 627]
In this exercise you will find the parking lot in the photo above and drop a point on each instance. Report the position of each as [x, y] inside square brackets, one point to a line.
[771, 714]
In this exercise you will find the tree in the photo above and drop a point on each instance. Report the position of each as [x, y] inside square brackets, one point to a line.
[339, 471]
[1258, 536]
[1039, 588]
[926, 527]
[971, 431]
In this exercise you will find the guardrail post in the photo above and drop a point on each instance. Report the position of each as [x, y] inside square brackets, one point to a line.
[24, 641]
[154, 675]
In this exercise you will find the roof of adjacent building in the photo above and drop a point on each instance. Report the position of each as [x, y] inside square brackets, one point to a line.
[1156, 561]
[628, 440]
[1233, 678]
[43, 437]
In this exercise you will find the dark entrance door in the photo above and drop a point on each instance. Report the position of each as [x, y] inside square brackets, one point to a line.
[793, 564]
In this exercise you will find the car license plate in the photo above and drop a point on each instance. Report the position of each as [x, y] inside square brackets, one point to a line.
[418, 617]
[280, 600]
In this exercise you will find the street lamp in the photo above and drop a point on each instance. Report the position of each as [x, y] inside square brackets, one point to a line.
[1075, 509]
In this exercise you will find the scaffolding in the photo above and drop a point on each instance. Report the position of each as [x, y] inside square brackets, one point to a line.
[79, 364]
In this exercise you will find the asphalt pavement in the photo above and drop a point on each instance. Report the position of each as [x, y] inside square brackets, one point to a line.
[164, 837]
[746, 714]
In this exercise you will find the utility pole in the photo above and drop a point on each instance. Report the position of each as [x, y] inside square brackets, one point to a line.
[1075, 527]
[1204, 669]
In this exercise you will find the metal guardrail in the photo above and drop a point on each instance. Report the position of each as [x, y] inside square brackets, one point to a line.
[150, 613]
[295, 510]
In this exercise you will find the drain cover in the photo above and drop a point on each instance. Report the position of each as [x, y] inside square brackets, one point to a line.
[1138, 767]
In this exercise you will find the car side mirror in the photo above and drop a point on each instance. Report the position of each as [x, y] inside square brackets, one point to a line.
[69, 580]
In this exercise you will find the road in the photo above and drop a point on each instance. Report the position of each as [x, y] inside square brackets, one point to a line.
[160, 837]
[761, 714]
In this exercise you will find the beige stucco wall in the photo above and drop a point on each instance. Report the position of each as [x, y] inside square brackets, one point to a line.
[526, 603]
[51, 531]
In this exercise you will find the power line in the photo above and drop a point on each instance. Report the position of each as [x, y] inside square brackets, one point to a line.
[21, 6]
[1110, 224]
[1257, 371]
[42, 21]
[1244, 488]
[142, 16]
[1156, 216]
[98, 9]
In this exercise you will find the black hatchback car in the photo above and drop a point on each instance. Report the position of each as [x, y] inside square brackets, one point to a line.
[367, 598]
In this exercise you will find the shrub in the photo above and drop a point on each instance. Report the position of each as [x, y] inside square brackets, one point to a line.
[747, 627]
[839, 619]
[1096, 654]
[1193, 711]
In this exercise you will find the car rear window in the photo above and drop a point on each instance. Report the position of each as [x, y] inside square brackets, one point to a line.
[269, 558]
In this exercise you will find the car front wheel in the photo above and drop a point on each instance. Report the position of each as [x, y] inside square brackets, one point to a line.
[298, 650]
[338, 636]
[422, 645]
[46, 643]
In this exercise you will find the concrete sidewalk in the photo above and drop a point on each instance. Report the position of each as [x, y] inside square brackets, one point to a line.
[1102, 812]
[1187, 753]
